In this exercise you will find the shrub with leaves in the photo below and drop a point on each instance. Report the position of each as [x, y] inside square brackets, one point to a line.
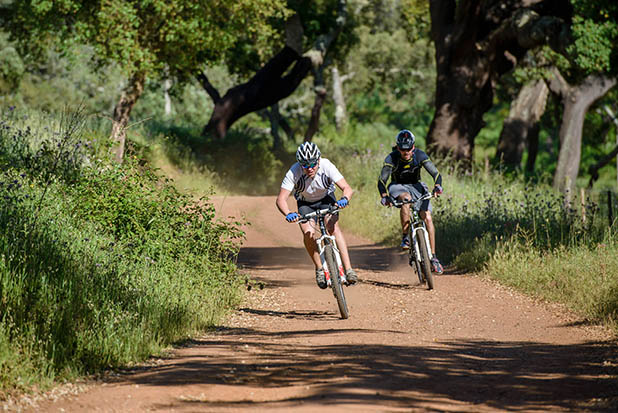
[100, 264]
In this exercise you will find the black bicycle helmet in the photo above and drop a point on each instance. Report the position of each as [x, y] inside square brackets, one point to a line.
[405, 139]
[307, 153]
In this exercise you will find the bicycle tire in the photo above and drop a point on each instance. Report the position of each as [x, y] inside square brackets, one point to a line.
[417, 269]
[425, 264]
[413, 261]
[331, 262]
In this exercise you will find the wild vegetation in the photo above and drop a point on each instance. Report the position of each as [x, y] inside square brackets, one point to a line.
[524, 235]
[103, 263]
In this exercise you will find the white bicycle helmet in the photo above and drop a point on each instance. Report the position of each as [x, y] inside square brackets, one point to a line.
[405, 139]
[307, 153]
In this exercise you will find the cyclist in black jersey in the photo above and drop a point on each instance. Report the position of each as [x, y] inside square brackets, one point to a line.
[403, 167]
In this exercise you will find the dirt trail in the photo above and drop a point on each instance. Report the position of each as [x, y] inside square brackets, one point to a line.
[467, 346]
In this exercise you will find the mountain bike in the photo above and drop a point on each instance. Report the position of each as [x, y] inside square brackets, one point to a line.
[420, 248]
[330, 257]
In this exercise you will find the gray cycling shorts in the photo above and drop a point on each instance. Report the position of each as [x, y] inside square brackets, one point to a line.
[415, 190]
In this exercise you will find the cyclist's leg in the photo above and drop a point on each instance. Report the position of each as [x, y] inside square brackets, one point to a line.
[431, 231]
[419, 190]
[309, 241]
[402, 193]
[309, 231]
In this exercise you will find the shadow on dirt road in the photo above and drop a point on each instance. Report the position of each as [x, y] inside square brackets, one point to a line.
[506, 376]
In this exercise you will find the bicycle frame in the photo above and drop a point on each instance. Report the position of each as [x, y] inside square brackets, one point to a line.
[419, 254]
[326, 239]
[330, 257]
[417, 225]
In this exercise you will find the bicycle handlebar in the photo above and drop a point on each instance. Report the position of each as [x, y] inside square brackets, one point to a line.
[398, 204]
[333, 209]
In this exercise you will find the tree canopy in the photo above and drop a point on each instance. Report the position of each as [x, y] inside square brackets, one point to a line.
[144, 37]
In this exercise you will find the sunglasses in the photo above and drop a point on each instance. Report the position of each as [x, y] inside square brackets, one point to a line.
[405, 150]
[308, 165]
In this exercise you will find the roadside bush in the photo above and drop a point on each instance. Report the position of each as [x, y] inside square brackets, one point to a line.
[101, 265]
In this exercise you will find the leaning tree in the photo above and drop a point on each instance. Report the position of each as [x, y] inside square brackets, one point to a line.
[311, 32]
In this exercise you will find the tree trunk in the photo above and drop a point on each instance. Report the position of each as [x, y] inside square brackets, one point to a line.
[276, 121]
[167, 85]
[273, 117]
[314, 122]
[320, 97]
[341, 118]
[267, 87]
[521, 126]
[476, 42]
[533, 148]
[122, 111]
[577, 100]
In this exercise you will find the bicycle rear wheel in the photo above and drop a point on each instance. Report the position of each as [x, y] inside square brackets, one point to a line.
[425, 264]
[331, 262]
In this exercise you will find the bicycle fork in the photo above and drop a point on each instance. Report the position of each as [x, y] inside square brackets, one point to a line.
[328, 271]
[420, 231]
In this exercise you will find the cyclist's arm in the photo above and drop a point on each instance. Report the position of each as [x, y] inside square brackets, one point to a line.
[384, 175]
[345, 188]
[282, 201]
[433, 171]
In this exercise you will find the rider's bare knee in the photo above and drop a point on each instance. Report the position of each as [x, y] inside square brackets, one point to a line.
[308, 235]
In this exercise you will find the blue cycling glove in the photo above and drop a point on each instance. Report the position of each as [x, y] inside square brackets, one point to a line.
[343, 202]
[292, 216]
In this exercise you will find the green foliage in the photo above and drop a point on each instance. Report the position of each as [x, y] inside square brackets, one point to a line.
[593, 44]
[393, 79]
[11, 66]
[101, 265]
[416, 14]
[245, 162]
[143, 35]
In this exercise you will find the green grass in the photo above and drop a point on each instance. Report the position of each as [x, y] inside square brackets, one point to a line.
[583, 277]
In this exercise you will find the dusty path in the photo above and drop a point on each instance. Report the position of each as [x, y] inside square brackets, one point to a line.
[467, 346]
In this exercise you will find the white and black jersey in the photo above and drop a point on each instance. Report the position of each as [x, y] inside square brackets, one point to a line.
[312, 189]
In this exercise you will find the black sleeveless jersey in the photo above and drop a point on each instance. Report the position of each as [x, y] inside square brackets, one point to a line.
[406, 172]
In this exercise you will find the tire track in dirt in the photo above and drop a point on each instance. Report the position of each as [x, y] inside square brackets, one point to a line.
[468, 346]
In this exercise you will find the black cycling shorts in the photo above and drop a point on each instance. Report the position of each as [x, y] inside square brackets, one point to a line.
[305, 207]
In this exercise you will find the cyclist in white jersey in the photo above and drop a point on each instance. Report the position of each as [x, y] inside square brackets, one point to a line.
[312, 180]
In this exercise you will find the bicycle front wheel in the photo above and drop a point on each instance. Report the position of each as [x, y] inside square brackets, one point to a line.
[413, 260]
[417, 267]
[331, 262]
[425, 265]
